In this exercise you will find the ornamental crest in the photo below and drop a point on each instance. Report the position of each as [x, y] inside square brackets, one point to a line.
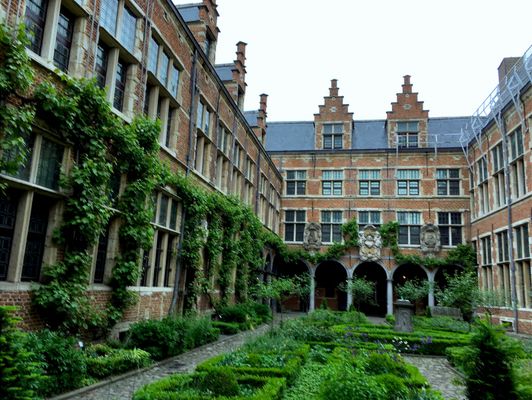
[370, 244]
[312, 236]
[430, 239]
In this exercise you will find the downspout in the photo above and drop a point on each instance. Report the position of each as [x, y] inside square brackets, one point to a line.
[257, 175]
[193, 79]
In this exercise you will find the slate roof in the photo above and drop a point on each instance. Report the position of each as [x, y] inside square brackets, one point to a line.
[251, 117]
[225, 71]
[367, 134]
[189, 12]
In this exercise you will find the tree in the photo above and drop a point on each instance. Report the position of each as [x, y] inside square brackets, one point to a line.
[489, 372]
[362, 291]
[461, 292]
[413, 290]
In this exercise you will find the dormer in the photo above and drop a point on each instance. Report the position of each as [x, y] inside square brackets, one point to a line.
[201, 18]
[233, 75]
[333, 124]
[407, 122]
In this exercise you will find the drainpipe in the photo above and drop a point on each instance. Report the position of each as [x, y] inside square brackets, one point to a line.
[193, 79]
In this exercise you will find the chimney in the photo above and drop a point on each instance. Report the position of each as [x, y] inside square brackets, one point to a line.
[506, 66]
[407, 86]
[333, 91]
[263, 103]
[260, 129]
[239, 73]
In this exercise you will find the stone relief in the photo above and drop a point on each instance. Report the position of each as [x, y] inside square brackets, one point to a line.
[430, 239]
[312, 236]
[370, 244]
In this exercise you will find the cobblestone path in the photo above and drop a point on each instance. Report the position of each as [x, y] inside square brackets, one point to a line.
[440, 376]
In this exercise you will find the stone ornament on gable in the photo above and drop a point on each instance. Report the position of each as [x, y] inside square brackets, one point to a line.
[430, 239]
[370, 244]
[312, 236]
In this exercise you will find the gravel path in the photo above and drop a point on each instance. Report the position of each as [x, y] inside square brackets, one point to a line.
[440, 376]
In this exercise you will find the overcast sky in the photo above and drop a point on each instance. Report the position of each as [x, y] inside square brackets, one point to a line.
[451, 48]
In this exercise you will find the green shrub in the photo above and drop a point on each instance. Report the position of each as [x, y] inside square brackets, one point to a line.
[383, 363]
[308, 383]
[199, 331]
[390, 319]
[103, 361]
[240, 313]
[189, 387]
[489, 375]
[226, 328]
[441, 323]
[161, 339]
[300, 329]
[262, 311]
[393, 385]
[460, 357]
[349, 384]
[220, 382]
[62, 360]
[20, 377]
[523, 379]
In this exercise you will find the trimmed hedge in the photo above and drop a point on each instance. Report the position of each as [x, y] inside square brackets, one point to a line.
[289, 371]
[247, 315]
[188, 387]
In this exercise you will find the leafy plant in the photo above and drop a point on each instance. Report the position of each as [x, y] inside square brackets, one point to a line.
[413, 290]
[461, 292]
[20, 377]
[362, 291]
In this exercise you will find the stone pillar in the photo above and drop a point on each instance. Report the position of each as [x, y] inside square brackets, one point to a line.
[431, 288]
[312, 291]
[403, 316]
[349, 294]
[389, 296]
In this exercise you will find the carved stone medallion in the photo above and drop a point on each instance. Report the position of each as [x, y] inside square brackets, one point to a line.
[312, 236]
[430, 239]
[370, 244]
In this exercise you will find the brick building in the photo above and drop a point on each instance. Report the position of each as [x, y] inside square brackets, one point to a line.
[151, 58]
[467, 176]
[416, 170]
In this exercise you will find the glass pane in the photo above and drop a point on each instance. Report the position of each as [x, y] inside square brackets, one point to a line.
[153, 55]
[163, 210]
[326, 216]
[326, 233]
[375, 188]
[337, 233]
[289, 215]
[454, 188]
[120, 85]
[441, 173]
[338, 142]
[101, 64]
[337, 216]
[289, 232]
[108, 14]
[364, 190]
[163, 69]
[101, 256]
[301, 187]
[300, 216]
[327, 142]
[173, 215]
[158, 254]
[8, 212]
[444, 235]
[326, 188]
[414, 235]
[290, 188]
[34, 252]
[443, 218]
[300, 229]
[456, 233]
[35, 19]
[327, 128]
[403, 235]
[128, 29]
[49, 167]
[63, 43]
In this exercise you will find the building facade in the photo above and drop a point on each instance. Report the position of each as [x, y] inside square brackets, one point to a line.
[153, 59]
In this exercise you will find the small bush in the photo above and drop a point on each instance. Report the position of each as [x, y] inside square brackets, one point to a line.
[199, 331]
[220, 382]
[448, 324]
[63, 362]
[103, 361]
[226, 328]
[161, 339]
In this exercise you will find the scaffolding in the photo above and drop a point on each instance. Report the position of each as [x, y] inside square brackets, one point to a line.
[491, 109]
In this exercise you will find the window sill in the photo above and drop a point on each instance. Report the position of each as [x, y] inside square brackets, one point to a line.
[120, 114]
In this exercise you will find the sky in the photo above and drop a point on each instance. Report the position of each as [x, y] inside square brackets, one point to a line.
[451, 49]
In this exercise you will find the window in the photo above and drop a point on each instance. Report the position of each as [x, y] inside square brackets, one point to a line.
[8, 214]
[407, 134]
[102, 57]
[448, 181]
[369, 218]
[409, 227]
[101, 257]
[498, 160]
[51, 157]
[331, 184]
[223, 139]
[369, 182]
[203, 118]
[174, 80]
[153, 55]
[108, 15]
[202, 160]
[482, 167]
[333, 136]
[486, 250]
[128, 29]
[35, 240]
[331, 226]
[63, 40]
[237, 155]
[517, 164]
[408, 182]
[502, 246]
[294, 226]
[450, 225]
[296, 182]
[35, 20]
[120, 85]
[522, 243]
[499, 180]
[163, 68]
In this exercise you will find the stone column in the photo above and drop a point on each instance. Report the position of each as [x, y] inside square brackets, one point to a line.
[389, 296]
[349, 294]
[431, 275]
[312, 291]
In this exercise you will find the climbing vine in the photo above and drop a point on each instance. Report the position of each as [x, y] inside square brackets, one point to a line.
[16, 114]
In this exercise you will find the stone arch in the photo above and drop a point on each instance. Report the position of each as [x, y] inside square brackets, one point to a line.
[440, 273]
[283, 269]
[406, 272]
[376, 273]
[328, 276]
